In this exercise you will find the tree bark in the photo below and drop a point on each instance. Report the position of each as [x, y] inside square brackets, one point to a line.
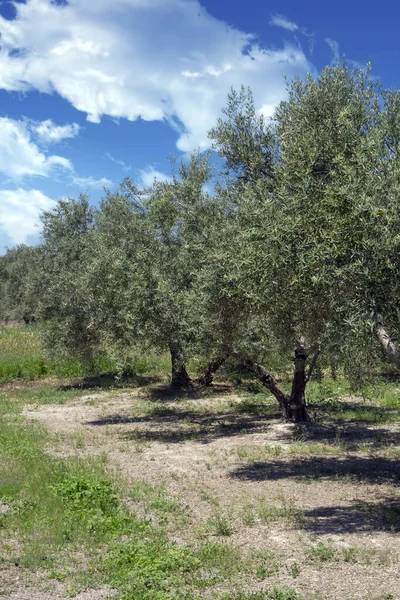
[179, 376]
[392, 351]
[293, 406]
[297, 410]
[266, 379]
[207, 376]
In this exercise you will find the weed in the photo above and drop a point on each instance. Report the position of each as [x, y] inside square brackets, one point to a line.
[226, 559]
[220, 524]
[321, 553]
[273, 450]
[282, 509]
[147, 567]
[294, 570]
[249, 515]
[349, 555]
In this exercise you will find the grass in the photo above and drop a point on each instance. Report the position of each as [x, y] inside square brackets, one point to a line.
[69, 512]
[275, 594]
[220, 524]
[56, 506]
[318, 554]
[76, 521]
[22, 356]
[281, 509]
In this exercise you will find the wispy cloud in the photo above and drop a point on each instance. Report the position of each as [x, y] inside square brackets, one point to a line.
[334, 46]
[119, 162]
[148, 175]
[281, 21]
[20, 154]
[50, 133]
[92, 182]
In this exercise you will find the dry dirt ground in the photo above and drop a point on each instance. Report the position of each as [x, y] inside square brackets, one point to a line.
[227, 467]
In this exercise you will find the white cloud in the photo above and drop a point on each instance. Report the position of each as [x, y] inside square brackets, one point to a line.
[334, 46]
[91, 182]
[50, 133]
[281, 21]
[19, 212]
[119, 162]
[148, 175]
[20, 156]
[154, 59]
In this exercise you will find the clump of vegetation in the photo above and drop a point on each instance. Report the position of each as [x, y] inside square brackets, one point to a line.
[266, 512]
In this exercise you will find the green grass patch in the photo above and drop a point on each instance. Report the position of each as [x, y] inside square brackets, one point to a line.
[63, 510]
[22, 356]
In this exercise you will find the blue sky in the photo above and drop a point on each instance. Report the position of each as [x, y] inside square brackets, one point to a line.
[94, 90]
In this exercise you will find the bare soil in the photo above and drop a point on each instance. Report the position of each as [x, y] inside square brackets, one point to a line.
[214, 460]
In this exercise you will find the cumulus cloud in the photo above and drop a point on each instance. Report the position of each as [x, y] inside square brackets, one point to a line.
[50, 133]
[153, 59]
[20, 156]
[147, 176]
[20, 211]
[281, 21]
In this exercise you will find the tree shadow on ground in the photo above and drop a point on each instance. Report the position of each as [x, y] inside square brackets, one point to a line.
[348, 436]
[170, 425]
[109, 381]
[165, 393]
[340, 412]
[377, 470]
[357, 517]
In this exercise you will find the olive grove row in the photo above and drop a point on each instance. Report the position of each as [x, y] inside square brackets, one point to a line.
[288, 243]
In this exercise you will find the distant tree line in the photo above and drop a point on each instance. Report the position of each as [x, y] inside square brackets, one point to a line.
[291, 248]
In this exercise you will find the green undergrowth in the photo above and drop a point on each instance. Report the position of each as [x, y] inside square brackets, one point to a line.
[22, 356]
[72, 520]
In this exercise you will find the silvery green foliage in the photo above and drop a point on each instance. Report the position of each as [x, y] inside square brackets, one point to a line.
[299, 238]
[316, 245]
[17, 288]
[126, 276]
[67, 302]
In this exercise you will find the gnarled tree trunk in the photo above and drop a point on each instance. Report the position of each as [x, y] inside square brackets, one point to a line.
[207, 376]
[179, 376]
[296, 409]
[392, 351]
[293, 406]
[265, 378]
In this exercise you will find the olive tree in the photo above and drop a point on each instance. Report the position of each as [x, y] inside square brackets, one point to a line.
[66, 301]
[316, 244]
[18, 269]
[126, 275]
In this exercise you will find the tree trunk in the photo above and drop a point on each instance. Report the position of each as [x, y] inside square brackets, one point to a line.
[390, 348]
[207, 376]
[180, 377]
[266, 379]
[296, 409]
[293, 406]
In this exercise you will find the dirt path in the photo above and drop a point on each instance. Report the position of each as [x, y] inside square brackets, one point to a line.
[219, 462]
